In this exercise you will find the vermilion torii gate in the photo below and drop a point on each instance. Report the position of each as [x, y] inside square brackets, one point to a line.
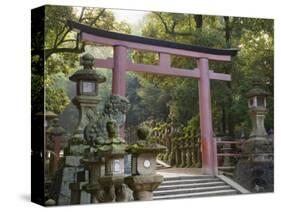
[120, 63]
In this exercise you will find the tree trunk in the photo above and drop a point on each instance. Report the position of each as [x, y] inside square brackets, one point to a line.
[199, 21]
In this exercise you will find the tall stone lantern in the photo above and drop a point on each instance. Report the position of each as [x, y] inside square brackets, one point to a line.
[87, 84]
[254, 170]
[86, 100]
[257, 147]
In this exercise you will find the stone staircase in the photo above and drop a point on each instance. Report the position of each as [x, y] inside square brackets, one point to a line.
[196, 186]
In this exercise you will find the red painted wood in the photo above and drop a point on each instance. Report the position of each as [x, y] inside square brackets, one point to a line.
[209, 158]
[165, 60]
[104, 63]
[119, 71]
[57, 148]
[229, 154]
[220, 76]
[229, 142]
[88, 38]
[153, 69]
[161, 69]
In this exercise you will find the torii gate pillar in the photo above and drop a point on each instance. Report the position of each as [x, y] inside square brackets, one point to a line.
[119, 70]
[119, 74]
[209, 151]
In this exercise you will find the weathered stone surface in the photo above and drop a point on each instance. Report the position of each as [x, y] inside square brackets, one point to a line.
[143, 186]
[50, 202]
[77, 149]
[68, 176]
[256, 176]
[72, 161]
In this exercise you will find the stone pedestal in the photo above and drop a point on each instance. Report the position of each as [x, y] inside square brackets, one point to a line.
[143, 185]
[255, 176]
[114, 189]
[70, 174]
[75, 193]
[96, 169]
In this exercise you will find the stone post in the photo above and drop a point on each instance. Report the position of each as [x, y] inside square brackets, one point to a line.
[199, 153]
[183, 153]
[178, 153]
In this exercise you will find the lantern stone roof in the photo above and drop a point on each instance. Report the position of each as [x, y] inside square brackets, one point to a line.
[150, 41]
[55, 128]
[47, 114]
[144, 144]
[87, 73]
[257, 91]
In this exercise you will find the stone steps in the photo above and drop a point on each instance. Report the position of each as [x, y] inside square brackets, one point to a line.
[191, 190]
[188, 177]
[194, 186]
[198, 194]
[188, 181]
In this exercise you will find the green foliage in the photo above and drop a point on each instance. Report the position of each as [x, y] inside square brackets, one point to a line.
[55, 90]
[62, 48]
[254, 38]
[162, 98]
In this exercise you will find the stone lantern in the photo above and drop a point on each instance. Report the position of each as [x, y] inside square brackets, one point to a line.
[112, 150]
[254, 170]
[86, 100]
[257, 147]
[56, 133]
[87, 85]
[144, 179]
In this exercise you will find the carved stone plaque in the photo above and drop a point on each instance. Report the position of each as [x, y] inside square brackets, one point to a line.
[146, 164]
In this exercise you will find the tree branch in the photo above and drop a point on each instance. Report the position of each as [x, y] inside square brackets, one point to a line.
[97, 17]
[49, 52]
[81, 14]
[58, 35]
[76, 49]
[172, 30]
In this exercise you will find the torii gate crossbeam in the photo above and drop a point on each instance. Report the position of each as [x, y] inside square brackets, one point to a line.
[120, 64]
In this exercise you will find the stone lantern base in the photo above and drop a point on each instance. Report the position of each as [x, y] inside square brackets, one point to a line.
[94, 189]
[143, 185]
[114, 189]
[256, 176]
